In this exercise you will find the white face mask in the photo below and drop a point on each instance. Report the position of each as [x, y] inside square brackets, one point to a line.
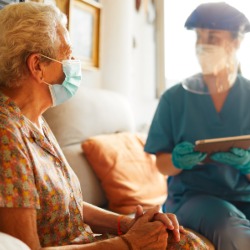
[212, 58]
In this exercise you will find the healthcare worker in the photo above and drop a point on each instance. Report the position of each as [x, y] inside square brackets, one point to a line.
[208, 194]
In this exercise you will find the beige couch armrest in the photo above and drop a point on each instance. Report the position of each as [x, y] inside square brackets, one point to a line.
[8, 242]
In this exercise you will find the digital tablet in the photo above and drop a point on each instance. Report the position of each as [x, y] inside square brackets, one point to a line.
[222, 144]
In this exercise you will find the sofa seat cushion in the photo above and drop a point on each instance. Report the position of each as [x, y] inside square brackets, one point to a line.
[128, 175]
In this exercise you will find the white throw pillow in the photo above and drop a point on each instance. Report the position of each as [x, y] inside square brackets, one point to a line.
[10, 243]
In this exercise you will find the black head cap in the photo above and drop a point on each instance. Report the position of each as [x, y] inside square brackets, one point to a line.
[218, 16]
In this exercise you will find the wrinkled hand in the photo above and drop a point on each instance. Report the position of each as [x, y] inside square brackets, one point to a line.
[184, 156]
[236, 157]
[171, 223]
[168, 219]
[146, 233]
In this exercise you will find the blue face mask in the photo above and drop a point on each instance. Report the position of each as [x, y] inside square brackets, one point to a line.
[62, 92]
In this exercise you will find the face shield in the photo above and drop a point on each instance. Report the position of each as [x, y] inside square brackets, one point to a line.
[216, 53]
[219, 28]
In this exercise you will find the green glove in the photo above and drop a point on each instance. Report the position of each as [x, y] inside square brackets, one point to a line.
[184, 156]
[236, 157]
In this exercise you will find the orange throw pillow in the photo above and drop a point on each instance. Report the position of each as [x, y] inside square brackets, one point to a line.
[128, 175]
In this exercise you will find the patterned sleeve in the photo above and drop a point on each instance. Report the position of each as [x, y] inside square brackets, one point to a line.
[17, 185]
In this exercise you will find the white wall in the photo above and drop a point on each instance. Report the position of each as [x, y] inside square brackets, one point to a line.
[127, 56]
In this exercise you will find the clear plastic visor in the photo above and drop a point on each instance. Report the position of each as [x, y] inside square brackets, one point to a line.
[218, 68]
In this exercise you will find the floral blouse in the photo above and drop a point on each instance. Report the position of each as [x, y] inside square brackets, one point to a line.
[35, 174]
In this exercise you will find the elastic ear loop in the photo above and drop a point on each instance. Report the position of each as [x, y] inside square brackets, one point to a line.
[51, 58]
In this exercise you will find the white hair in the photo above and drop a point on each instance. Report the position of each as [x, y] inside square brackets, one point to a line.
[27, 28]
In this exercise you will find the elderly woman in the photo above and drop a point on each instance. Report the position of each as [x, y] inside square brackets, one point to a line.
[209, 194]
[40, 197]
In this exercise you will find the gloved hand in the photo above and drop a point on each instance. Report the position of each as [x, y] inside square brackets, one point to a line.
[184, 156]
[236, 157]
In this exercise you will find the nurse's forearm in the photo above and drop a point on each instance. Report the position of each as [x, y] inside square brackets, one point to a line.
[165, 165]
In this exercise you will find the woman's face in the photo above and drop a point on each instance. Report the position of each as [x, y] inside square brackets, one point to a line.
[216, 54]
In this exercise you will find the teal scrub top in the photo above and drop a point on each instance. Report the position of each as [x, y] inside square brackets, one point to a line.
[185, 116]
